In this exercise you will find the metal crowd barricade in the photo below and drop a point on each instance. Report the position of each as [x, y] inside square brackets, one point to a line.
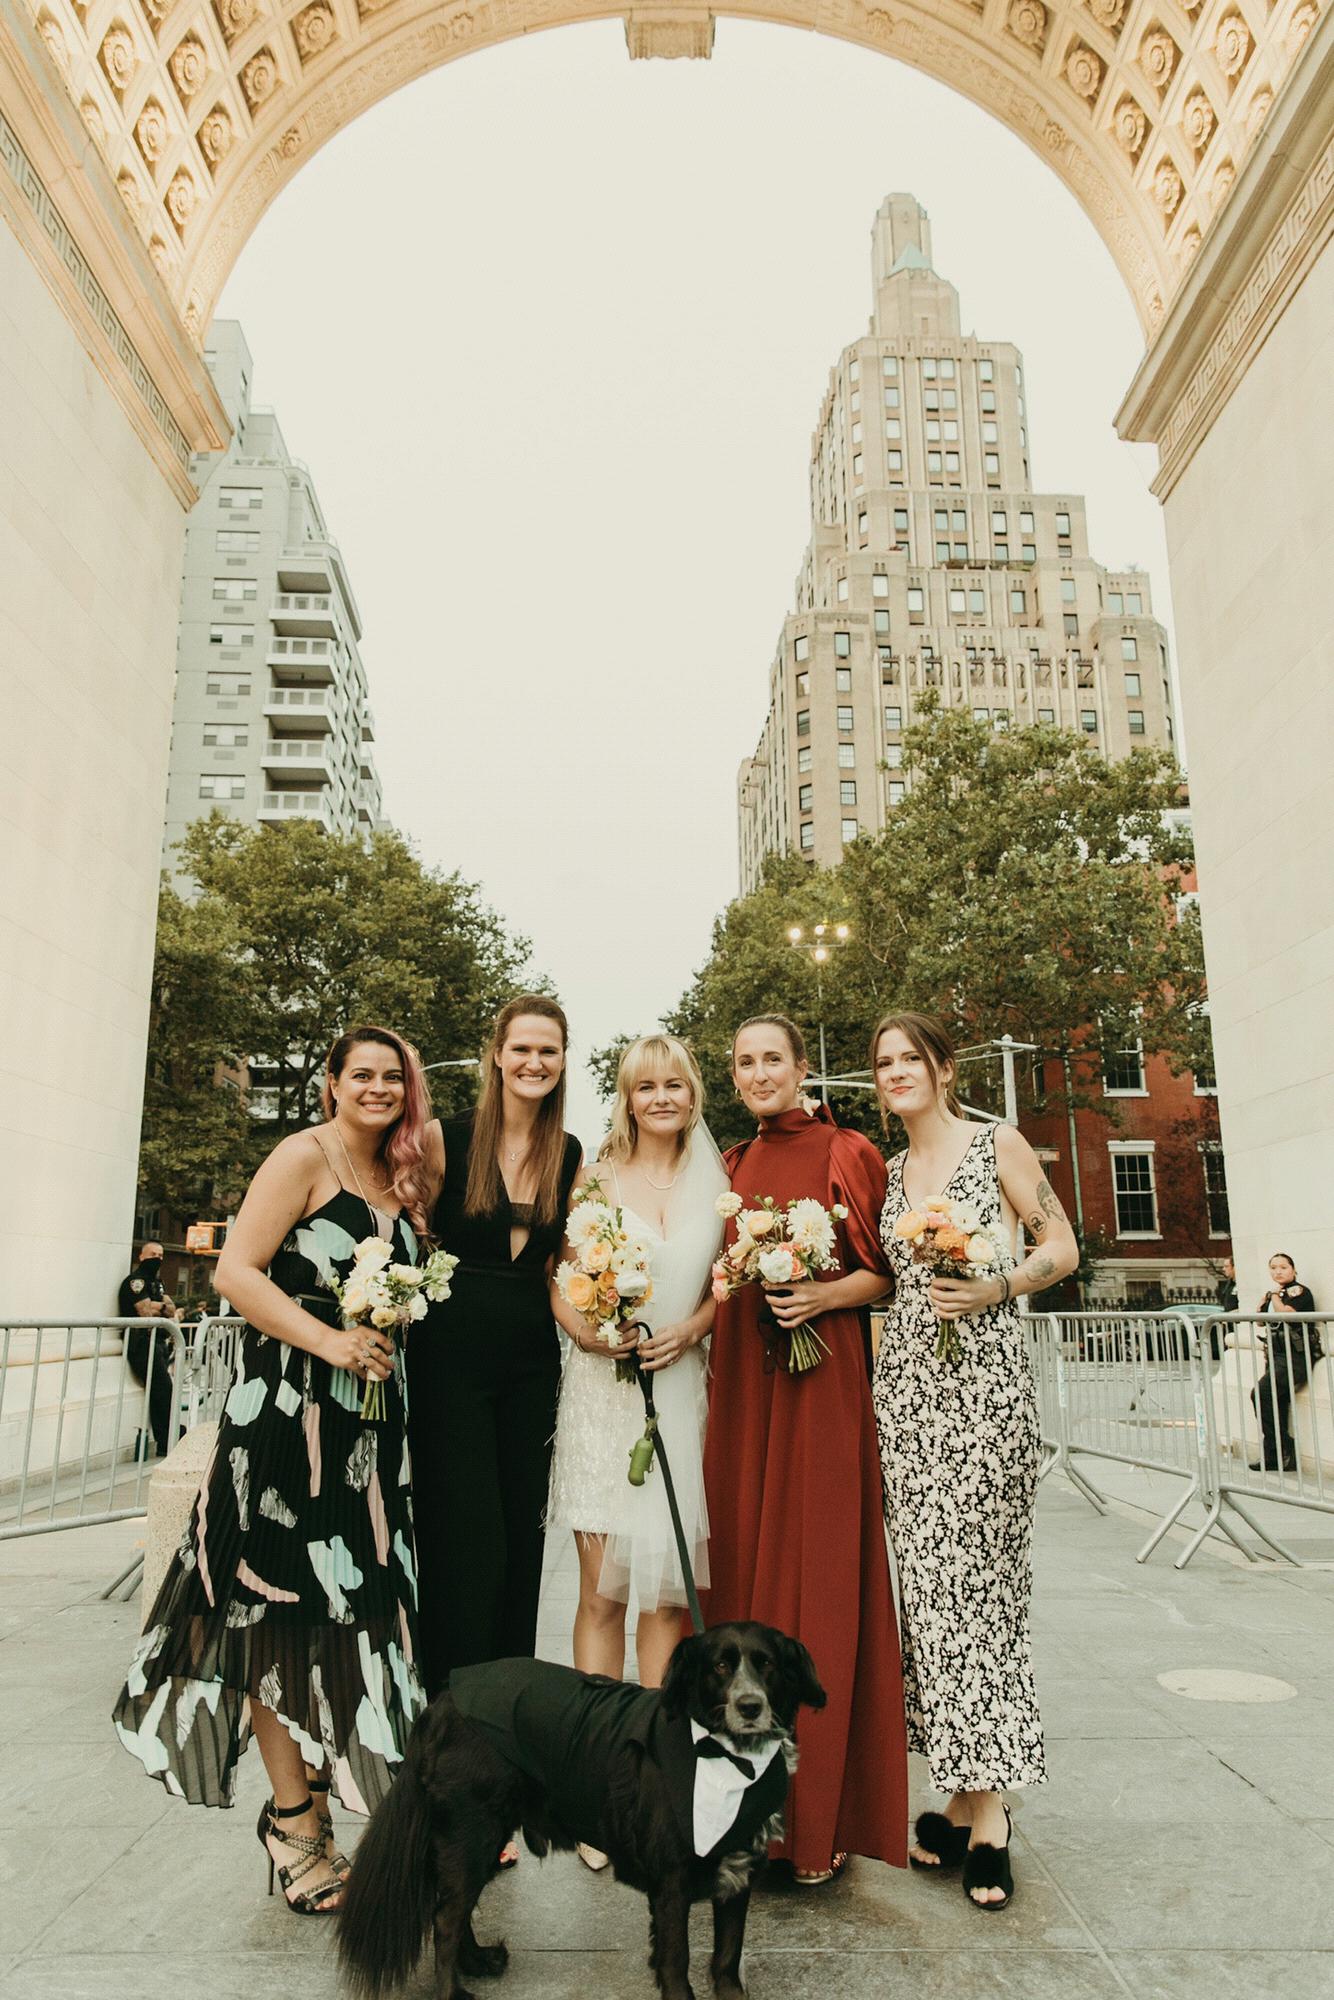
[1270, 1417]
[1130, 1388]
[74, 1421]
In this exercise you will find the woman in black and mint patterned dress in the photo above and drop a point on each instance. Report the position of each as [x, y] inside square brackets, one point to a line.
[289, 1610]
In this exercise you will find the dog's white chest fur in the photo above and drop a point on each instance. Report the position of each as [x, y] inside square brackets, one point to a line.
[720, 1787]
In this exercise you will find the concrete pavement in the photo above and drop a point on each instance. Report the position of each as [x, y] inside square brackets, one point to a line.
[1184, 1849]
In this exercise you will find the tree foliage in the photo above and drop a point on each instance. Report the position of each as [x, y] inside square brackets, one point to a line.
[1024, 886]
[295, 935]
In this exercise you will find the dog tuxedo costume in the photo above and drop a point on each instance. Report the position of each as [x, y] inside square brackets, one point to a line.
[566, 1731]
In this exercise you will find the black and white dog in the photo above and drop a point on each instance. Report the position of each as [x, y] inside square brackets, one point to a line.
[683, 1788]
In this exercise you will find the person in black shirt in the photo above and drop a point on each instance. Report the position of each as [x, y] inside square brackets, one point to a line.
[1226, 1290]
[1289, 1358]
[148, 1352]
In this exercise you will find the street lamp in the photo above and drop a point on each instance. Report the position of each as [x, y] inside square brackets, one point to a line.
[819, 947]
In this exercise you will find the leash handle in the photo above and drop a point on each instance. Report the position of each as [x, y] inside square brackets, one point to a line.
[687, 1571]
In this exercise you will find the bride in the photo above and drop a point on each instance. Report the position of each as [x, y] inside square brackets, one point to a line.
[660, 1165]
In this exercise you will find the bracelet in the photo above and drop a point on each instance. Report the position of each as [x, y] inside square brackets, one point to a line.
[1004, 1298]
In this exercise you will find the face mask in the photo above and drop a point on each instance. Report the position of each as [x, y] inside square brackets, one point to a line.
[150, 1266]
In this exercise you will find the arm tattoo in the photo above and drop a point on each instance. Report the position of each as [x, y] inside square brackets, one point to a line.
[1048, 1202]
[1036, 1226]
[1042, 1267]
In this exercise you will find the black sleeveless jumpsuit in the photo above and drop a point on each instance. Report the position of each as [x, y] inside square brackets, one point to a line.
[483, 1372]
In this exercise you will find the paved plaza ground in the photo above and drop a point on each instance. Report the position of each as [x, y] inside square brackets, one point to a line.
[1184, 1849]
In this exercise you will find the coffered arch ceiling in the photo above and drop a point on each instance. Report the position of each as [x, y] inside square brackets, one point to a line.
[204, 109]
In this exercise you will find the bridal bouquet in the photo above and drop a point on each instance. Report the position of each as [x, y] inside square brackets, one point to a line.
[779, 1246]
[949, 1238]
[610, 1279]
[377, 1292]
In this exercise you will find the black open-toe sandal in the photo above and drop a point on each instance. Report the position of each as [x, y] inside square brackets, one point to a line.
[988, 1867]
[338, 1861]
[309, 1847]
[939, 1836]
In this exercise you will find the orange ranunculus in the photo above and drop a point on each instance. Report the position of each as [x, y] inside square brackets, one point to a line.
[951, 1242]
[608, 1296]
[909, 1225]
[581, 1291]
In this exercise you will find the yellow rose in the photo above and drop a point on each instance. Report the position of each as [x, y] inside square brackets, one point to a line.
[909, 1225]
[759, 1223]
[597, 1256]
[581, 1291]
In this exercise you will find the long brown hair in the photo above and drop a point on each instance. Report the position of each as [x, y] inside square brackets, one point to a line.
[546, 1153]
[402, 1149]
[932, 1041]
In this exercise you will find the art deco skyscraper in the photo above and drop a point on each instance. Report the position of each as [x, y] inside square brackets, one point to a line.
[933, 564]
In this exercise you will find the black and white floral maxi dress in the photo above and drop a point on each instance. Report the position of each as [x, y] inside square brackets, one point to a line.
[959, 1452]
[295, 1584]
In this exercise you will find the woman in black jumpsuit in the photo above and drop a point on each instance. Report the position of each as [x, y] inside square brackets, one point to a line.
[484, 1367]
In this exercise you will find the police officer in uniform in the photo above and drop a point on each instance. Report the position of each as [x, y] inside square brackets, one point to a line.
[148, 1354]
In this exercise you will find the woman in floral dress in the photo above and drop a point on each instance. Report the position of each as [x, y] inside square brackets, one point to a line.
[289, 1609]
[959, 1451]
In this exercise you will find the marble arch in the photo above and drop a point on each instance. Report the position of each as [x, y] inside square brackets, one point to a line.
[140, 140]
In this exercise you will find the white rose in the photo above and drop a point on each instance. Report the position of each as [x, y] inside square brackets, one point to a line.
[372, 1252]
[981, 1250]
[729, 1204]
[406, 1274]
[966, 1217]
[632, 1284]
[778, 1266]
[384, 1316]
[356, 1297]
[417, 1306]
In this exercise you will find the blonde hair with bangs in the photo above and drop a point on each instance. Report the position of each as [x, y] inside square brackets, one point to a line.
[650, 1055]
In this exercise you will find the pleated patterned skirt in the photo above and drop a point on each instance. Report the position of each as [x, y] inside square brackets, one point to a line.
[295, 1585]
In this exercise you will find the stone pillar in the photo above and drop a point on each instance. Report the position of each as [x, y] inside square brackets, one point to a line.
[93, 491]
[1238, 392]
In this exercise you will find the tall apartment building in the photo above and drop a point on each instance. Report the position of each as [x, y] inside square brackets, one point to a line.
[933, 564]
[271, 719]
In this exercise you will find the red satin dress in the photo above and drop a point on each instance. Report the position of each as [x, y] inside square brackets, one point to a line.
[792, 1471]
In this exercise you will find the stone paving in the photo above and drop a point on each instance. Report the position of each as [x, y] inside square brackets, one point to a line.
[1184, 1849]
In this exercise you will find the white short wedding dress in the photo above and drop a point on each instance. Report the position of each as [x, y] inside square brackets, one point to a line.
[598, 1418]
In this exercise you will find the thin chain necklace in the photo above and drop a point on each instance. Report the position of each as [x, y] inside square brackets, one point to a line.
[663, 1187]
[370, 1210]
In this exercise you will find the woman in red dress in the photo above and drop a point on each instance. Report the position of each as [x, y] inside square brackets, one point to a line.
[792, 1470]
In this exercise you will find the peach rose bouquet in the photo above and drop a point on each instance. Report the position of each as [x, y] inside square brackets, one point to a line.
[777, 1246]
[950, 1239]
[609, 1281]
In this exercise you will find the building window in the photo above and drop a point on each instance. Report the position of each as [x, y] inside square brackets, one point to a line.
[951, 461]
[889, 364]
[1070, 624]
[863, 523]
[241, 499]
[1132, 1182]
[804, 799]
[234, 589]
[803, 682]
[986, 370]
[841, 590]
[237, 541]
[807, 837]
[1029, 552]
[1135, 718]
[999, 524]
[804, 759]
[977, 603]
[1134, 603]
[1088, 721]
[989, 401]
[228, 735]
[847, 791]
[947, 369]
[843, 680]
[842, 646]
[881, 622]
[1129, 647]
[897, 788]
[1114, 602]
[933, 462]
[1046, 715]
[849, 829]
[801, 647]
[900, 520]
[894, 718]
[843, 716]
[1067, 590]
[958, 602]
[990, 434]
[880, 584]
[1215, 1188]
[856, 433]
[1123, 1071]
[230, 685]
[981, 715]
[1018, 602]
[847, 756]
[1132, 683]
[991, 460]
[231, 635]
[916, 604]
[933, 430]
[894, 756]
[803, 722]
[895, 460]
[928, 369]
[892, 399]
[221, 785]
[1001, 719]
[1063, 527]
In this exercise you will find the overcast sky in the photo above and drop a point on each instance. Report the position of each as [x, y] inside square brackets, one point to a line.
[551, 329]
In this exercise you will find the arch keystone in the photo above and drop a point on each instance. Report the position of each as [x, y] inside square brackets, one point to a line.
[669, 31]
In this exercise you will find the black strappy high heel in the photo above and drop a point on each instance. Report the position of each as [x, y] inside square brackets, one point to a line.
[338, 1861]
[941, 1837]
[988, 1867]
[305, 1902]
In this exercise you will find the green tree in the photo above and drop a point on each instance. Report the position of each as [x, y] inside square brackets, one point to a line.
[308, 934]
[1025, 886]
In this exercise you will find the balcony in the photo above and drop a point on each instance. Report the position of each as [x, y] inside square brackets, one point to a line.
[305, 611]
[311, 660]
[277, 807]
[295, 757]
[304, 708]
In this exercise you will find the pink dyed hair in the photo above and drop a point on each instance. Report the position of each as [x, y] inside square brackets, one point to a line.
[403, 1148]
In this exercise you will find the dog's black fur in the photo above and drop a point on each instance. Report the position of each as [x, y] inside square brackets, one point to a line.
[434, 1843]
